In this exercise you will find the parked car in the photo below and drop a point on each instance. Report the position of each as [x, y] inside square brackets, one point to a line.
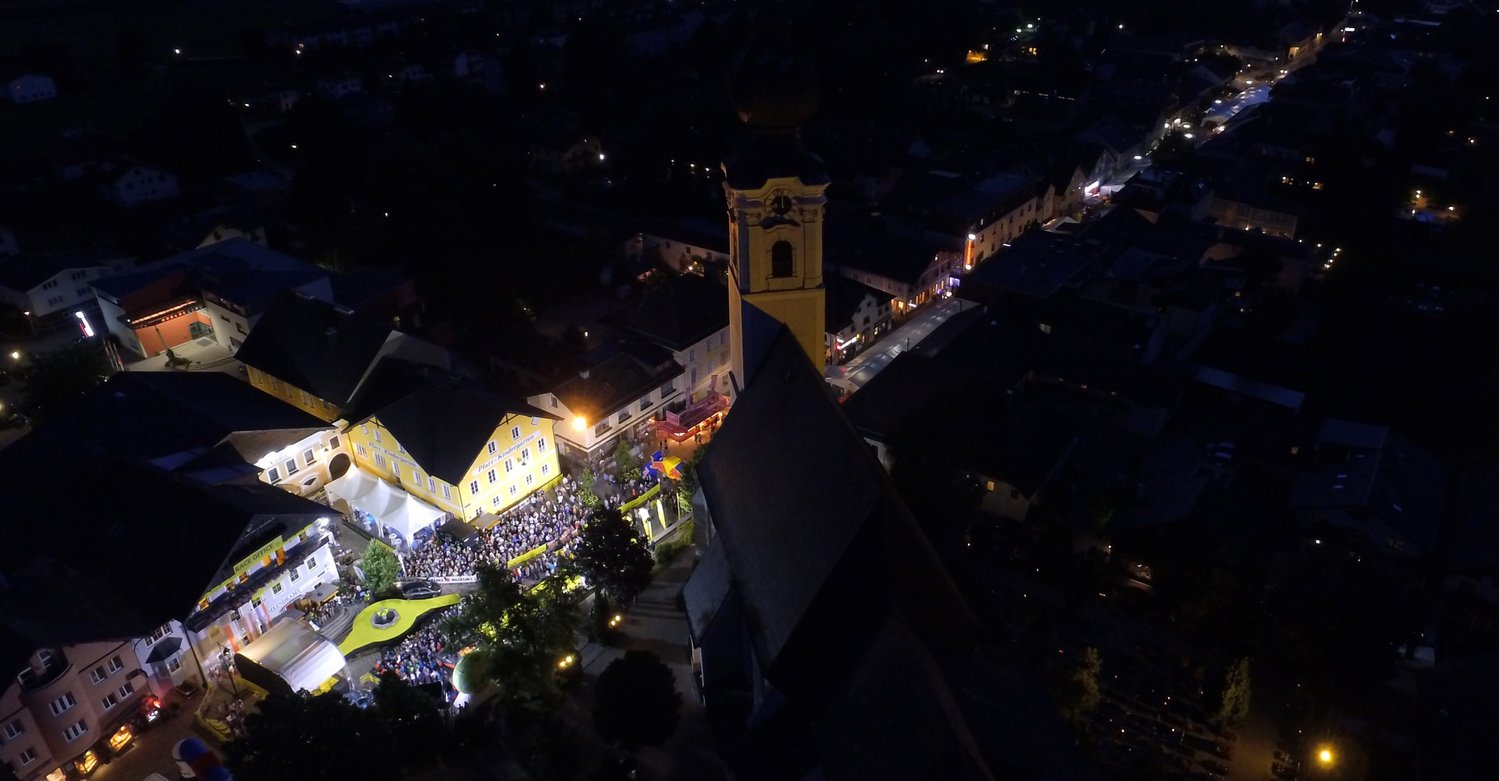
[418, 588]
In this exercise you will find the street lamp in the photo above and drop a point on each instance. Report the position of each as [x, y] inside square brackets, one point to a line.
[1325, 757]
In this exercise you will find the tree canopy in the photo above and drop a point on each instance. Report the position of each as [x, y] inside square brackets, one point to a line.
[325, 737]
[380, 566]
[57, 378]
[636, 701]
[613, 556]
[525, 633]
[1233, 705]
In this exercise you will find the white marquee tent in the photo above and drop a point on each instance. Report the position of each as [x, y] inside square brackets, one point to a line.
[393, 507]
[293, 653]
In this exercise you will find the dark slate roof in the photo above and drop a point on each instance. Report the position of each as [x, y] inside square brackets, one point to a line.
[679, 312]
[889, 253]
[1005, 434]
[842, 299]
[827, 475]
[1037, 264]
[706, 590]
[144, 416]
[618, 373]
[837, 585]
[100, 549]
[237, 269]
[445, 425]
[315, 346]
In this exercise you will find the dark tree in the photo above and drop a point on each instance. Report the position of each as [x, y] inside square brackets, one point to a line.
[636, 701]
[525, 633]
[57, 378]
[411, 713]
[325, 737]
[1080, 692]
[613, 556]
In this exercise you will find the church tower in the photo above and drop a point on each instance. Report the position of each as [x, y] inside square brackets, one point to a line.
[774, 190]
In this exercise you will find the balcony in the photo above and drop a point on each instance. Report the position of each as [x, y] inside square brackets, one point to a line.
[32, 679]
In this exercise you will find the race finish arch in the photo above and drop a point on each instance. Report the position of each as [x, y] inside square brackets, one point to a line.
[289, 658]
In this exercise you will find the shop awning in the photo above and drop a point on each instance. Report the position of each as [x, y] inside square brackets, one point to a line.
[164, 649]
[392, 506]
[458, 530]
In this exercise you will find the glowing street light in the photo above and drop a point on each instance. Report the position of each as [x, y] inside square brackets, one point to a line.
[580, 423]
[1325, 757]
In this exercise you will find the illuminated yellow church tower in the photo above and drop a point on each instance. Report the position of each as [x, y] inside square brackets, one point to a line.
[776, 204]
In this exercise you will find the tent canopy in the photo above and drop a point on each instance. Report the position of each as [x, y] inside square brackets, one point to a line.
[393, 507]
[290, 657]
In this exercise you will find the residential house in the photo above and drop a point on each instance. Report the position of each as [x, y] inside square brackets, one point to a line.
[66, 703]
[912, 271]
[688, 315]
[131, 185]
[315, 355]
[50, 287]
[856, 317]
[218, 291]
[446, 448]
[624, 387]
[29, 88]
[988, 217]
[1374, 485]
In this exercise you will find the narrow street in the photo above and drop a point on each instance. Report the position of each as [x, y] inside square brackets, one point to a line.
[853, 375]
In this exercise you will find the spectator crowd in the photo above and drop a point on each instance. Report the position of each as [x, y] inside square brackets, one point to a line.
[551, 518]
[423, 656]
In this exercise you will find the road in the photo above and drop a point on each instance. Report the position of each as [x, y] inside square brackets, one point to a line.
[853, 375]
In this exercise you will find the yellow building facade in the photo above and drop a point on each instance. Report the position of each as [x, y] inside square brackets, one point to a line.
[519, 457]
[322, 409]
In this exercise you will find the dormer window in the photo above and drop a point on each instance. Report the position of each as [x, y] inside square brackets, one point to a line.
[782, 263]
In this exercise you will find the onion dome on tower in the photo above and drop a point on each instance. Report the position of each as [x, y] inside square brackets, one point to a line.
[775, 91]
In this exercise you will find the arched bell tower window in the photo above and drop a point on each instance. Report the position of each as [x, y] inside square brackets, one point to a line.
[781, 264]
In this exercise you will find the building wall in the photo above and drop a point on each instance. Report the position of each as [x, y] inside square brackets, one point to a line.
[584, 437]
[257, 610]
[156, 339]
[322, 409]
[104, 681]
[521, 456]
[66, 290]
[302, 468]
[705, 365]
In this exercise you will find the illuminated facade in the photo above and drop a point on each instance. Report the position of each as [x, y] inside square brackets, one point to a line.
[462, 471]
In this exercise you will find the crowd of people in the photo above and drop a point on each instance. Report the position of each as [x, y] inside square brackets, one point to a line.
[423, 656]
[549, 518]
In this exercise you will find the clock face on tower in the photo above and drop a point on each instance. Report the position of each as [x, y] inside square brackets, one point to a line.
[780, 203]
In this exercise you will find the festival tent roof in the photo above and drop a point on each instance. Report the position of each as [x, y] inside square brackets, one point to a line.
[290, 655]
[395, 508]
